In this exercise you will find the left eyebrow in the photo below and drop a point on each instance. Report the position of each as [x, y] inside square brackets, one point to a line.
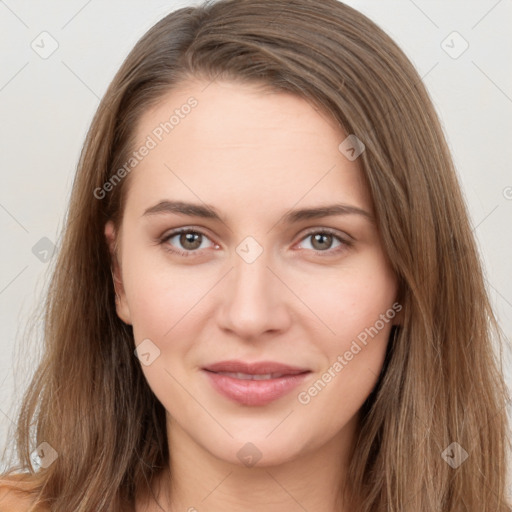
[325, 211]
[209, 212]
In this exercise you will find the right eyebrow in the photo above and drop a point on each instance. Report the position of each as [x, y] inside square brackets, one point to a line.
[180, 207]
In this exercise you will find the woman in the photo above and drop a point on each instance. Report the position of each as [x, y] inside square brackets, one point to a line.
[203, 349]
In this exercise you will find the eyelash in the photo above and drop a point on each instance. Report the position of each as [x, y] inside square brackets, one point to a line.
[345, 244]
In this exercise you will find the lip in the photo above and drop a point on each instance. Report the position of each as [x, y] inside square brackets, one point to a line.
[254, 392]
[260, 367]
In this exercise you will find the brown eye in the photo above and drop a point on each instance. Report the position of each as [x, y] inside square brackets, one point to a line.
[187, 242]
[326, 241]
[190, 240]
[322, 241]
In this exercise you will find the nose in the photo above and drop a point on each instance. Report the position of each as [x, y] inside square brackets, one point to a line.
[254, 300]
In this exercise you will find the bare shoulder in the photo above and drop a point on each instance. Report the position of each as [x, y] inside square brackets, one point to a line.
[15, 495]
[12, 501]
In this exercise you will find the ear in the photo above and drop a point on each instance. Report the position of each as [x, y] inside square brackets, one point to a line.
[122, 309]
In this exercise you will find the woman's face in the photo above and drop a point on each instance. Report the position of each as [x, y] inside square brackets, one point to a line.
[259, 275]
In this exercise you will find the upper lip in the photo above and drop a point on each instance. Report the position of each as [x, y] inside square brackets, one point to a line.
[256, 368]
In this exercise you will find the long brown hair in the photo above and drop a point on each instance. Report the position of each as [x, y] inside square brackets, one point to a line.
[441, 383]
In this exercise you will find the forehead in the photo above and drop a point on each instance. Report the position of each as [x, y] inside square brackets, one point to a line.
[233, 144]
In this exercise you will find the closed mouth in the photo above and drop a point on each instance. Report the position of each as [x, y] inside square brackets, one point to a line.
[253, 376]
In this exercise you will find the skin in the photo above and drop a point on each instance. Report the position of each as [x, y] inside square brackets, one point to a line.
[254, 156]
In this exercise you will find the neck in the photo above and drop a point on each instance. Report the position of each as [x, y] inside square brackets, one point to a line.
[201, 482]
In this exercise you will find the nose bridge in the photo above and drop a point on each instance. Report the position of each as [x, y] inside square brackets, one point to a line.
[252, 302]
[251, 278]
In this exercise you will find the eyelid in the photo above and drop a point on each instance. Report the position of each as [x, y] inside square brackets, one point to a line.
[331, 231]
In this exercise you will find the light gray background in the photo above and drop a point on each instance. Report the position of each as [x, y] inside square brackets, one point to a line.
[46, 105]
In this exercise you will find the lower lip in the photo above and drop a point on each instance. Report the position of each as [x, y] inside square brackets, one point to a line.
[254, 392]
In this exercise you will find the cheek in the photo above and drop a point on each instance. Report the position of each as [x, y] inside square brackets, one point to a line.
[162, 308]
[350, 299]
[358, 308]
[356, 305]
[165, 308]
[159, 295]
